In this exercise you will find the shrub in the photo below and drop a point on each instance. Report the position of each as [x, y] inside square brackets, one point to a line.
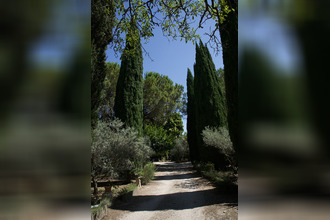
[209, 167]
[117, 150]
[180, 151]
[219, 138]
[147, 172]
[223, 180]
[100, 210]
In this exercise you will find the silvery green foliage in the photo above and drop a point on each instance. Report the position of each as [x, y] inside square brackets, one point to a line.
[180, 150]
[117, 150]
[218, 138]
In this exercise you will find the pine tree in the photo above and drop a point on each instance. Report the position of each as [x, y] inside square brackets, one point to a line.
[209, 103]
[191, 120]
[129, 91]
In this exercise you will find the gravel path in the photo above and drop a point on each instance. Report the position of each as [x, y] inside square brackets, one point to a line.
[177, 192]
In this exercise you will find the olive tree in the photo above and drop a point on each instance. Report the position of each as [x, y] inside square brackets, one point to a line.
[116, 151]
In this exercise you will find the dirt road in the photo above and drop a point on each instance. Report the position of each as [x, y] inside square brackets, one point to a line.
[177, 192]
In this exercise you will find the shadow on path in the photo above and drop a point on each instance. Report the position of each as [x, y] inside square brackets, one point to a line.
[177, 201]
[176, 176]
[171, 167]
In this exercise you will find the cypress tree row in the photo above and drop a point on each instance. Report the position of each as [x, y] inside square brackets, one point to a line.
[209, 103]
[191, 120]
[129, 91]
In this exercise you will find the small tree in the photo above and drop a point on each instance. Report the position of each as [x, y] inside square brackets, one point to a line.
[116, 151]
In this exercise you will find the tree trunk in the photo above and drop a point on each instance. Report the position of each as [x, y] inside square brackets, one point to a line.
[95, 192]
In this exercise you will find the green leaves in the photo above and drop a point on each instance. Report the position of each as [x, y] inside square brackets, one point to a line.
[116, 150]
[209, 103]
[161, 102]
[174, 124]
[161, 98]
[219, 139]
[101, 34]
[138, 10]
[161, 140]
[109, 91]
[178, 19]
[129, 91]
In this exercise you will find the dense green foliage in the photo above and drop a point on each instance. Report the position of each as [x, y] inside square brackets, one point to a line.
[161, 98]
[207, 90]
[162, 103]
[160, 140]
[191, 118]
[147, 173]
[174, 125]
[219, 139]
[229, 41]
[210, 107]
[109, 91]
[180, 150]
[162, 137]
[221, 78]
[103, 18]
[129, 91]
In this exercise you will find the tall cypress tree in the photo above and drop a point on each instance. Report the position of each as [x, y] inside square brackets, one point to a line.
[129, 91]
[209, 103]
[102, 23]
[191, 120]
[229, 39]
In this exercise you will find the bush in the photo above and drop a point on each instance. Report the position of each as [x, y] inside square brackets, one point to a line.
[180, 151]
[99, 211]
[223, 180]
[219, 138]
[147, 173]
[117, 151]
